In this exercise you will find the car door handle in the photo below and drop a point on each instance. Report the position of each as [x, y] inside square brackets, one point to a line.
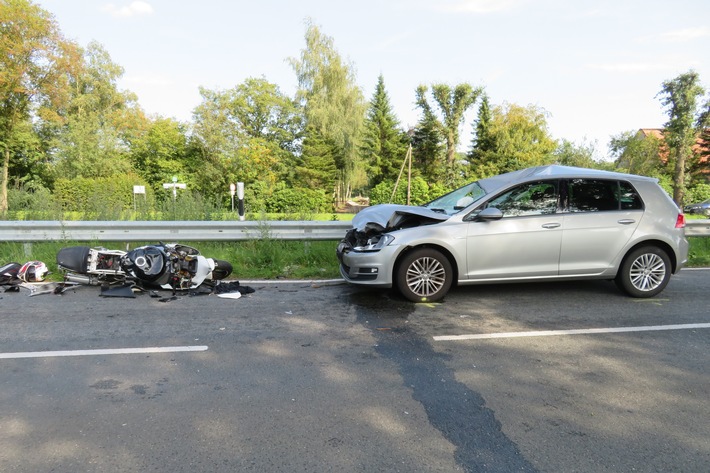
[626, 221]
[550, 225]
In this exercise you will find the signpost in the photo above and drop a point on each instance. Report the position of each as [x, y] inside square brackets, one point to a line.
[240, 196]
[175, 185]
[137, 190]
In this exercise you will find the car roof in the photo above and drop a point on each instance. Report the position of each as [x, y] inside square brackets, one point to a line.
[490, 184]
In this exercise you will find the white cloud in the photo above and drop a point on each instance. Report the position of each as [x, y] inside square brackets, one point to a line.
[627, 67]
[478, 6]
[148, 80]
[135, 8]
[686, 34]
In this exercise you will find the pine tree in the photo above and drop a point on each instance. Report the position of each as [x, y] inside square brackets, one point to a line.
[385, 144]
[317, 169]
[482, 137]
[428, 147]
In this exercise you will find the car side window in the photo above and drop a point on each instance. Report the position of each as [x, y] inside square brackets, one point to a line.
[592, 195]
[533, 198]
[628, 197]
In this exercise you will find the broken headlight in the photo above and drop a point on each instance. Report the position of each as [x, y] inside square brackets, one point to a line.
[375, 243]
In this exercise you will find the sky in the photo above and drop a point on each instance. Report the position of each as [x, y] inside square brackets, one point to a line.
[595, 67]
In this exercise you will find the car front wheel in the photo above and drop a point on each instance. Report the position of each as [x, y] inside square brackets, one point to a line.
[424, 275]
[645, 272]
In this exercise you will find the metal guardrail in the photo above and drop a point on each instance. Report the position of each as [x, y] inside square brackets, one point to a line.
[699, 228]
[167, 231]
[36, 231]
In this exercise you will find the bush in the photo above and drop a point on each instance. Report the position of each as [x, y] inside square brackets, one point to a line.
[296, 200]
[697, 193]
[420, 192]
[98, 198]
[37, 203]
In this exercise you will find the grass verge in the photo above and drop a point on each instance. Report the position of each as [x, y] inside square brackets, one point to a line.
[256, 259]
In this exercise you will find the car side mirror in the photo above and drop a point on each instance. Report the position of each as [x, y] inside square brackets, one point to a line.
[490, 213]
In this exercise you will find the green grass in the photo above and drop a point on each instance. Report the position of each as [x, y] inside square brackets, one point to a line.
[253, 259]
[699, 254]
[257, 259]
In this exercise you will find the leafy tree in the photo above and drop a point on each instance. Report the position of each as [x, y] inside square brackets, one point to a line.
[636, 153]
[161, 152]
[99, 121]
[519, 139]
[452, 105]
[385, 144]
[35, 62]
[217, 138]
[249, 133]
[685, 123]
[260, 110]
[568, 153]
[333, 104]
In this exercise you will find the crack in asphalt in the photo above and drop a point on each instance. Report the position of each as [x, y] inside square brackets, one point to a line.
[459, 413]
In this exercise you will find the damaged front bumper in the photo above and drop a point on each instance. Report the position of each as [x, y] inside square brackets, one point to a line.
[367, 261]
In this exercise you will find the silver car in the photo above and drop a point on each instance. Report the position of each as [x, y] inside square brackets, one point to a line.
[538, 224]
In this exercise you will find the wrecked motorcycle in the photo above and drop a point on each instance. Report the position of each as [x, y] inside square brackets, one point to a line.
[167, 266]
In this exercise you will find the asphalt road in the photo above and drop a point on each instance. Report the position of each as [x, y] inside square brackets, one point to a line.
[571, 377]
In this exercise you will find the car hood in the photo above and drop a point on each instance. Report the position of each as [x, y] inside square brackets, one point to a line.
[393, 217]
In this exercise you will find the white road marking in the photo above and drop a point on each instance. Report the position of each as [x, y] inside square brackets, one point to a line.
[553, 333]
[107, 351]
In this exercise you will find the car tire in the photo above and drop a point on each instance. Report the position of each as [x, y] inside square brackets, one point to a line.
[424, 275]
[645, 272]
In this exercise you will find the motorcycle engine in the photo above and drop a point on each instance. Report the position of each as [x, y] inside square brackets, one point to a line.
[147, 263]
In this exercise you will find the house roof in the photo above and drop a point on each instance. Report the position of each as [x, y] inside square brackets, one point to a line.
[701, 146]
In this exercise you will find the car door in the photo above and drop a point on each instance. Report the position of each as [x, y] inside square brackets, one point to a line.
[524, 242]
[600, 216]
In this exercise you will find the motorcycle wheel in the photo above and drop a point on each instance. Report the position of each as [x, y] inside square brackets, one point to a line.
[221, 270]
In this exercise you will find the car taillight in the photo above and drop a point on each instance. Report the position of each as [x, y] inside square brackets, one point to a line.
[680, 221]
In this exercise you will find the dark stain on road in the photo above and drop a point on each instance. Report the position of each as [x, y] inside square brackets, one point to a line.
[455, 410]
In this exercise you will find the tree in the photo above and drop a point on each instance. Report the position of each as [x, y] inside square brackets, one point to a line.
[317, 169]
[334, 106]
[262, 111]
[99, 121]
[568, 153]
[452, 104]
[519, 138]
[385, 144]
[685, 123]
[637, 153]
[428, 149]
[482, 140]
[161, 152]
[35, 63]
[249, 133]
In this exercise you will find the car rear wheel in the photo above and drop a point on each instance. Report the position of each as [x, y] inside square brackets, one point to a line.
[645, 272]
[424, 275]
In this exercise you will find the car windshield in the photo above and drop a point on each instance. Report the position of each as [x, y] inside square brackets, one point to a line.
[457, 200]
